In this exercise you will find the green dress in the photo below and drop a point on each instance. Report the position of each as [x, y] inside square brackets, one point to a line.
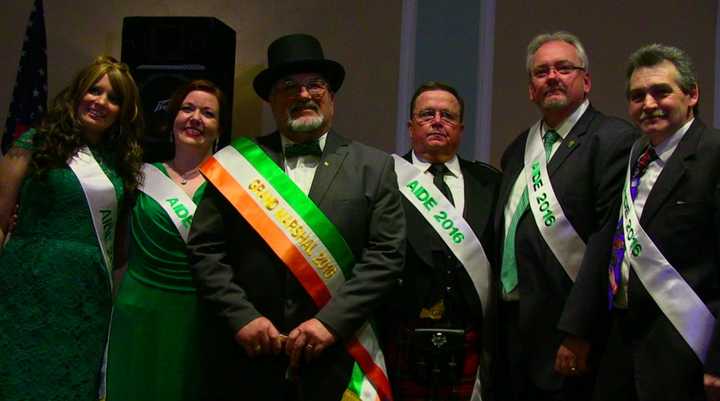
[55, 298]
[153, 344]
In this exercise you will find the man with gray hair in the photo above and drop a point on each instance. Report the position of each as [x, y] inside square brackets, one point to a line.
[659, 259]
[559, 179]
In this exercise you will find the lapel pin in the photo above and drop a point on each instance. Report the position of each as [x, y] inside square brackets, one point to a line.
[571, 143]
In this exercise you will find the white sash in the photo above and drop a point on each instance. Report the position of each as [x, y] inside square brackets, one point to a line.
[102, 202]
[446, 220]
[677, 300]
[176, 203]
[553, 224]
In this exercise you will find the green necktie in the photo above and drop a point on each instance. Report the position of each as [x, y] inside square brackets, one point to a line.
[508, 273]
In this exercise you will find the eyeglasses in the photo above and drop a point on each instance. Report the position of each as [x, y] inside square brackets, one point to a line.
[289, 87]
[564, 69]
[426, 116]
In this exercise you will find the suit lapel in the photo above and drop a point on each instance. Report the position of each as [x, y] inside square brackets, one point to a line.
[477, 200]
[332, 159]
[672, 172]
[572, 141]
[272, 145]
[510, 174]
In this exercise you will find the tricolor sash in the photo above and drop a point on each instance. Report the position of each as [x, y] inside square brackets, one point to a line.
[673, 295]
[554, 226]
[179, 207]
[447, 222]
[102, 202]
[304, 239]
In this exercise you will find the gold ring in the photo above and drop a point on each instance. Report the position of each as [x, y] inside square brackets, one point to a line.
[257, 348]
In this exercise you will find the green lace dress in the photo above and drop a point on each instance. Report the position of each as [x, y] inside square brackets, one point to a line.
[55, 299]
[153, 345]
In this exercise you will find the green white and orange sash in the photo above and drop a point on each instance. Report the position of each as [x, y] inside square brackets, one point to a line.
[673, 295]
[179, 207]
[550, 219]
[447, 221]
[304, 239]
[102, 202]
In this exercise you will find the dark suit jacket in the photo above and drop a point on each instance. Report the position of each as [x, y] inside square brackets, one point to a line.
[240, 278]
[586, 174]
[682, 216]
[423, 273]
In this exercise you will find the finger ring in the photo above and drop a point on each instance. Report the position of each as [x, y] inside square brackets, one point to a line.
[309, 347]
[257, 348]
[572, 368]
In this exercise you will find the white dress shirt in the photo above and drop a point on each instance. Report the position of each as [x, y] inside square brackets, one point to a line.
[454, 179]
[664, 150]
[301, 169]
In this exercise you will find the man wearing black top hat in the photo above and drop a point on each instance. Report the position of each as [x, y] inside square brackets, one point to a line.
[269, 339]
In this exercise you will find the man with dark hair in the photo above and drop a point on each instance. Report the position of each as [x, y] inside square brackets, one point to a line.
[659, 260]
[436, 319]
[559, 178]
[294, 244]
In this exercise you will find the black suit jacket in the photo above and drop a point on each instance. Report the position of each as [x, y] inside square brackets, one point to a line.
[423, 273]
[240, 278]
[481, 183]
[586, 174]
[682, 217]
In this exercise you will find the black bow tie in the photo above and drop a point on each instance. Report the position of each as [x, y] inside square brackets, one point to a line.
[311, 148]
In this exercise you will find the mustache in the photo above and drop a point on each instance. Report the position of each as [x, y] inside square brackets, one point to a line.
[653, 114]
[306, 104]
[558, 86]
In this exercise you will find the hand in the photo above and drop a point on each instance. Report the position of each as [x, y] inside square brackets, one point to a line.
[310, 338]
[13, 219]
[712, 387]
[259, 337]
[571, 359]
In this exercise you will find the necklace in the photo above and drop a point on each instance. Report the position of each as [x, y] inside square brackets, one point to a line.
[188, 175]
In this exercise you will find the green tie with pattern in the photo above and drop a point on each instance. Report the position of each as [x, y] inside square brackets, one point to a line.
[508, 273]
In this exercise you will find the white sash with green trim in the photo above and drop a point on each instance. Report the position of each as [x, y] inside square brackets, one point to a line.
[304, 239]
[554, 226]
[102, 202]
[179, 207]
[673, 295]
[447, 221]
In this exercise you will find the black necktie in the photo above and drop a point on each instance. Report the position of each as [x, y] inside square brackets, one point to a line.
[438, 170]
[311, 148]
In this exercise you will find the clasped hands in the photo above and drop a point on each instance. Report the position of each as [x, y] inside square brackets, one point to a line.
[260, 337]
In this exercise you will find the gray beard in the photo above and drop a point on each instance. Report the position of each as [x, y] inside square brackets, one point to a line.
[555, 104]
[305, 124]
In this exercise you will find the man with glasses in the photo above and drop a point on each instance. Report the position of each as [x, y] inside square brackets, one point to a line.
[294, 244]
[435, 320]
[658, 267]
[559, 180]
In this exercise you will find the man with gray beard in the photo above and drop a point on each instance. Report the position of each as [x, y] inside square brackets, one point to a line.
[559, 180]
[297, 239]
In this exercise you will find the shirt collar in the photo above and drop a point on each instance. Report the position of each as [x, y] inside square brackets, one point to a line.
[567, 125]
[666, 148]
[453, 164]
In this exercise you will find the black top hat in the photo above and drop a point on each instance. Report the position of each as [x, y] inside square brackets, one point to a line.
[294, 54]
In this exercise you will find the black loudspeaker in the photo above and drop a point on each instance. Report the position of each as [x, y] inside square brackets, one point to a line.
[166, 52]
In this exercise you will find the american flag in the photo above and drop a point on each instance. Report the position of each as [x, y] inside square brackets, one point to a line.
[29, 100]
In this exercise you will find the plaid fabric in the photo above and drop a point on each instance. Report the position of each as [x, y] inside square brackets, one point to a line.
[411, 382]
